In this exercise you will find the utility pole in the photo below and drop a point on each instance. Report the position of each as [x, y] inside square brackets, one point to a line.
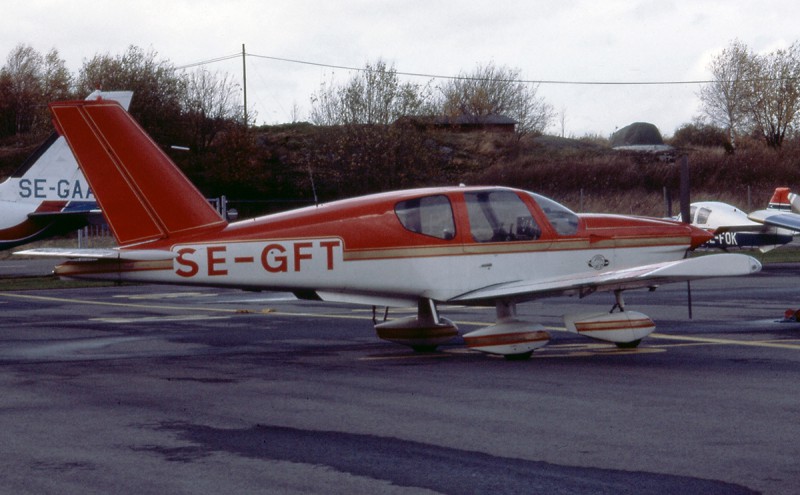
[244, 84]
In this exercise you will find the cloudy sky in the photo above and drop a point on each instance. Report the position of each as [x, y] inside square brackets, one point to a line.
[619, 41]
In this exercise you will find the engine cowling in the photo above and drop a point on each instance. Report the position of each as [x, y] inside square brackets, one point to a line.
[508, 338]
[624, 327]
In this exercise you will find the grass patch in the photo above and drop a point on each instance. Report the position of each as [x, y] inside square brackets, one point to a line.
[779, 255]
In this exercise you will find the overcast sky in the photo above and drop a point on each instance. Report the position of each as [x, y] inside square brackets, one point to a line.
[562, 40]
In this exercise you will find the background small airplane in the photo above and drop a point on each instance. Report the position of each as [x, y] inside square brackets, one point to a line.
[492, 246]
[733, 228]
[48, 194]
[783, 211]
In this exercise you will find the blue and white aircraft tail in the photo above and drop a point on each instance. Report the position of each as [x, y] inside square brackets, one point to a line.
[48, 194]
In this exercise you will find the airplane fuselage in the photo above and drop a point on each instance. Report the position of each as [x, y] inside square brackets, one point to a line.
[361, 246]
[733, 229]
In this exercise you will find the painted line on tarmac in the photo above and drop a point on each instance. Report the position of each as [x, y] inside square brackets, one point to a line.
[114, 304]
[746, 343]
[399, 356]
[165, 295]
[156, 319]
[31, 297]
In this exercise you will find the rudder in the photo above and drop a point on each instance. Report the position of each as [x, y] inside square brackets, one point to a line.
[142, 193]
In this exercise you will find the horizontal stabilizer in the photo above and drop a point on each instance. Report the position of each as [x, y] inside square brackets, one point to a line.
[128, 254]
[769, 217]
[55, 215]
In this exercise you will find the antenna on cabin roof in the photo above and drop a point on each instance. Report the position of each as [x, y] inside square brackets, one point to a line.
[244, 83]
[313, 187]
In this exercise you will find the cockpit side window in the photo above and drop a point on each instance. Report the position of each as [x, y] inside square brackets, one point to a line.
[429, 215]
[563, 220]
[498, 216]
[702, 216]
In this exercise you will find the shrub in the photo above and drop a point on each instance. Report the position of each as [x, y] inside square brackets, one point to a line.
[689, 135]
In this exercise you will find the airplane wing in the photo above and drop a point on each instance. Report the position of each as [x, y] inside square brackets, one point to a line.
[718, 265]
[783, 219]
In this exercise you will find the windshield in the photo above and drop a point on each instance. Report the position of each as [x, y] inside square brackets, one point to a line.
[563, 220]
[499, 216]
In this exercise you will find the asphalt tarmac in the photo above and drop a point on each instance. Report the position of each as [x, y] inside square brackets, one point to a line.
[158, 389]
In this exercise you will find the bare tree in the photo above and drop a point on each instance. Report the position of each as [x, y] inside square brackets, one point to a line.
[754, 93]
[57, 80]
[28, 82]
[774, 99]
[24, 69]
[724, 101]
[210, 104]
[374, 95]
[497, 90]
[326, 105]
[158, 88]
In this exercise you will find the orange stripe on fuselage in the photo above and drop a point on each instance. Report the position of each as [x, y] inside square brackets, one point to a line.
[505, 248]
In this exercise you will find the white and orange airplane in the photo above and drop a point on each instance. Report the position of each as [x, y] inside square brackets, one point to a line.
[48, 195]
[493, 246]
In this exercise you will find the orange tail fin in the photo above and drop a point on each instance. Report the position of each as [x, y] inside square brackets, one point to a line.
[143, 194]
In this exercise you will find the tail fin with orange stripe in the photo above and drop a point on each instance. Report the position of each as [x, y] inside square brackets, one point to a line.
[142, 193]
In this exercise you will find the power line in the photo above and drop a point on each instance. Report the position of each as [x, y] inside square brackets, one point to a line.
[209, 61]
[562, 82]
[440, 76]
[526, 81]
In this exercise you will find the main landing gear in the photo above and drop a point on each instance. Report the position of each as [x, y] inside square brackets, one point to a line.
[509, 337]
[423, 333]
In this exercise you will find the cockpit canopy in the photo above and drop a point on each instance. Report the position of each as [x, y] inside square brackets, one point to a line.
[495, 215]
